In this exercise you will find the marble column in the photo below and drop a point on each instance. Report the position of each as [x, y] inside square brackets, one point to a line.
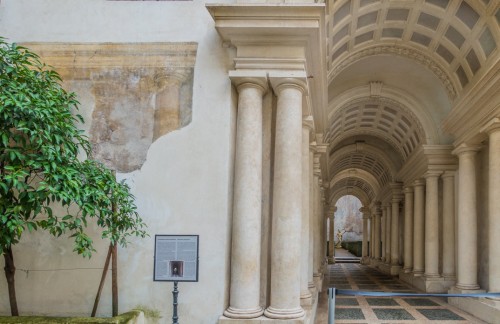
[396, 200]
[388, 234]
[467, 218]
[376, 239]
[449, 224]
[317, 218]
[287, 201]
[311, 217]
[418, 227]
[305, 294]
[382, 229]
[331, 231]
[432, 224]
[408, 245]
[246, 229]
[371, 225]
[493, 130]
[364, 246]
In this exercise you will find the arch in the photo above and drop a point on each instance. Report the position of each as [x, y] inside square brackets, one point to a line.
[354, 191]
[398, 98]
[356, 178]
[365, 157]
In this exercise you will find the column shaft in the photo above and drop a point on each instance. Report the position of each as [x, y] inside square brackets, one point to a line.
[376, 242]
[331, 238]
[418, 227]
[382, 229]
[467, 218]
[305, 294]
[246, 229]
[449, 224]
[287, 205]
[431, 224]
[395, 231]
[408, 245]
[388, 234]
[311, 219]
[364, 246]
[493, 129]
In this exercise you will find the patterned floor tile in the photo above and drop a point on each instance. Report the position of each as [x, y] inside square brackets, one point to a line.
[440, 314]
[392, 314]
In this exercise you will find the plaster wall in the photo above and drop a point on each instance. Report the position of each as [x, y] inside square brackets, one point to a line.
[183, 186]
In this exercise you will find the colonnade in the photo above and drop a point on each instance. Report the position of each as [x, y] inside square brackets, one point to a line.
[298, 241]
[438, 206]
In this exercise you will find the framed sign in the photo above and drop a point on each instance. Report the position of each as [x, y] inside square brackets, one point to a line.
[176, 258]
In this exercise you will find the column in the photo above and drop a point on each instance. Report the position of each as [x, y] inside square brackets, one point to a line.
[382, 229]
[467, 218]
[246, 231]
[449, 224]
[388, 234]
[493, 130]
[331, 246]
[418, 227]
[376, 240]
[317, 218]
[432, 224]
[364, 246]
[371, 225]
[396, 199]
[408, 245]
[311, 217]
[287, 201]
[305, 294]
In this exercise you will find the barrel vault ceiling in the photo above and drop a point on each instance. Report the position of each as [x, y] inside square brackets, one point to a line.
[395, 70]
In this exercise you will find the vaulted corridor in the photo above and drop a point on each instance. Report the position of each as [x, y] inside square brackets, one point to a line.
[361, 309]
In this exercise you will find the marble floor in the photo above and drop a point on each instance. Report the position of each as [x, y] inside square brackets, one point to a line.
[361, 309]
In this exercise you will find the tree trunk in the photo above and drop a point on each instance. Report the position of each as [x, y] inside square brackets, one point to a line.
[101, 284]
[114, 279]
[10, 271]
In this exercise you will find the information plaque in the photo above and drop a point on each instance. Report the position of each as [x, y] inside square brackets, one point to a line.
[176, 258]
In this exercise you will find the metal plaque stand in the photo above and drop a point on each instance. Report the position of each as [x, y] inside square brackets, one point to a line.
[175, 293]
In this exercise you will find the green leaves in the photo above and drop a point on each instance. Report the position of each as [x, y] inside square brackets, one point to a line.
[39, 166]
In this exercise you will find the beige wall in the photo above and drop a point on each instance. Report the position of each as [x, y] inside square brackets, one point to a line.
[183, 187]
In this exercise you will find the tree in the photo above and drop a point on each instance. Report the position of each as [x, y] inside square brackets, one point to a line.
[40, 167]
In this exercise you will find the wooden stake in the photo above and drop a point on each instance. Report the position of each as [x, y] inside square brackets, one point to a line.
[103, 278]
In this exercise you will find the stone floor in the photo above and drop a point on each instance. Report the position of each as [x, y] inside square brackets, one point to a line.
[361, 309]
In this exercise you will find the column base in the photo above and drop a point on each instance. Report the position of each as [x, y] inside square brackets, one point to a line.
[395, 269]
[238, 313]
[407, 270]
[366, 260]
[284, 314]
[432, 284]
[311, 285]
[306, 298]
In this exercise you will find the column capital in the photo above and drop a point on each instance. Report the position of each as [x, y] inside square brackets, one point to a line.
[247, 79]
[308, 123]
[419, 183]
[448, 174]
[408, 190]
[396, 188]
[492, 126]
[465, 148]
[364, 210]
[288, 79]
[433, 174]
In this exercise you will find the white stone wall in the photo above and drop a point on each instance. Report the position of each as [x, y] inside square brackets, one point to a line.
[183, 187]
